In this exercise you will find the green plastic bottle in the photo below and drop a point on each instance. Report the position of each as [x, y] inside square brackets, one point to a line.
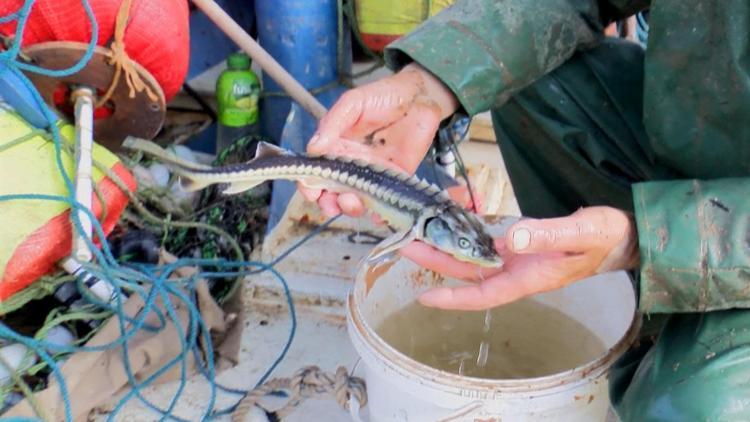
[237, 93]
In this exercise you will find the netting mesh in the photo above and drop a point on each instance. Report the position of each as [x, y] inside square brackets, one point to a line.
[157, 36]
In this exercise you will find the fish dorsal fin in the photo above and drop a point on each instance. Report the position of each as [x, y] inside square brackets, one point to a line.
[266, 150]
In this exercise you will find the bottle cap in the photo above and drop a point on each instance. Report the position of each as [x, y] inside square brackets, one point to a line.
[238, 61]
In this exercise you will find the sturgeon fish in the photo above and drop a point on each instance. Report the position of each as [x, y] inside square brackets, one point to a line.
[417, 209]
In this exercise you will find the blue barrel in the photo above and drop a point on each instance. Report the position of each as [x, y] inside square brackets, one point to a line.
[302, 36]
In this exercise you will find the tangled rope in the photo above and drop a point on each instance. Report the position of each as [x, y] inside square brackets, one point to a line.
[305, 383]
[151, 284]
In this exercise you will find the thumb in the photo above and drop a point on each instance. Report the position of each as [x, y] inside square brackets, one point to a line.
[341, 117]
[578, 232]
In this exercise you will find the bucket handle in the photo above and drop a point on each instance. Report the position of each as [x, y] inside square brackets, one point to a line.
[463, 411]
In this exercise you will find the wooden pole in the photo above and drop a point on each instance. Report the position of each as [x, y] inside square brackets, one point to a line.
[269, 65]
[84, 115]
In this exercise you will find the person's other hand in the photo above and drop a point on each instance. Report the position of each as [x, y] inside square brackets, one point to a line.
[390, 122]
[540, 255]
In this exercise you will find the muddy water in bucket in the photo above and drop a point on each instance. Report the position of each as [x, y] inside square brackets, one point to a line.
[553, 333]
[524, 339]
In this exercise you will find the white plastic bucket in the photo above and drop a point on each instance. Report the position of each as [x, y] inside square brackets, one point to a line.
[402, 389]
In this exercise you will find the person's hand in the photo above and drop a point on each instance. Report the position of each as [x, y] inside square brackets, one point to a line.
[540, 255]
[390, 122]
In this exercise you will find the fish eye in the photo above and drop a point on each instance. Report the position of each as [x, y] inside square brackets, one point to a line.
[463, 243]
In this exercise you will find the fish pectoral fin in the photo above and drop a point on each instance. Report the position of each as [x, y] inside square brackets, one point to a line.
[386, 250]
[315, 183]
[239, 187]
[382, 261]
[191, 185]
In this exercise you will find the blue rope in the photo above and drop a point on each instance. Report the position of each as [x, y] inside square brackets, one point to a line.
[151, 284]
[9, 17]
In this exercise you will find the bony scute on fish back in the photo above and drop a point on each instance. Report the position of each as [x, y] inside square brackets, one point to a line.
[421, 211]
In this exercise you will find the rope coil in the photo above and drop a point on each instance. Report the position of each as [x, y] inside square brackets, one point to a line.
[307, 382]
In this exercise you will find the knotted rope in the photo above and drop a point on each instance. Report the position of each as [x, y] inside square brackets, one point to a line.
[307, 382]
[122, 61]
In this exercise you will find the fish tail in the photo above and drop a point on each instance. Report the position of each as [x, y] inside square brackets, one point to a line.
[156, 151]
[189, 181]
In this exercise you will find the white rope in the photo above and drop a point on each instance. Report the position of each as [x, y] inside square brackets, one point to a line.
[307, 382]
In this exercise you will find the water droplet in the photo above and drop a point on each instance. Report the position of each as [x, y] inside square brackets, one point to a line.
[484, 351]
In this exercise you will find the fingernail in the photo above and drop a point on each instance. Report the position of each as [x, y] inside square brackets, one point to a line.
[330, 212]
[521, 239]
[310, 195]
[316, 141]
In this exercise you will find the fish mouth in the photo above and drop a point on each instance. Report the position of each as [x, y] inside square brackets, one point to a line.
[495, 262]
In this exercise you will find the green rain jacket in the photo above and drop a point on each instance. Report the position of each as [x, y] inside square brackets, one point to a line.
[694, 231]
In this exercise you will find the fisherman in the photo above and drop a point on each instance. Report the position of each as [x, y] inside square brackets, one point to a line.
[622, 158]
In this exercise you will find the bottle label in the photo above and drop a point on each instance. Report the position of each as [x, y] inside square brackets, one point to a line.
[239, 107]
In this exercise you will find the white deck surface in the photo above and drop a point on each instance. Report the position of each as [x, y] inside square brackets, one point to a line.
[321, 337]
